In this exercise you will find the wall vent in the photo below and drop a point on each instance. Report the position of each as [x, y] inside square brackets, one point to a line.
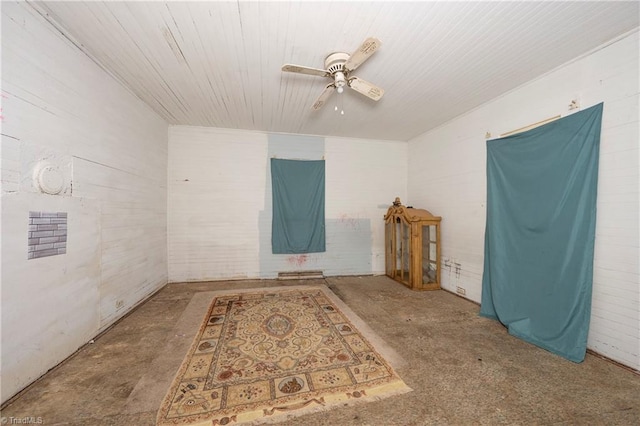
[300, 275]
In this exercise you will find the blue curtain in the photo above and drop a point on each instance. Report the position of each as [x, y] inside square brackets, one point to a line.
[298, 206]
[540, 232]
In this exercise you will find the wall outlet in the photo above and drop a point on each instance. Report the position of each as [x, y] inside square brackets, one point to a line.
[119, 304]
[461, 291]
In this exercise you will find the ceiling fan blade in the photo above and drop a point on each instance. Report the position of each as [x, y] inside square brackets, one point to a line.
[366, 49]
[305, 70]
[322, 99]
[364, 87]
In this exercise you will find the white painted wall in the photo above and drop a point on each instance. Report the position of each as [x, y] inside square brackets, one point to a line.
[59, 105]
[219, 214]
[447, 169]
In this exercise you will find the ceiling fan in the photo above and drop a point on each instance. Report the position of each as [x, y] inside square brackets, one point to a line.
[338, 67]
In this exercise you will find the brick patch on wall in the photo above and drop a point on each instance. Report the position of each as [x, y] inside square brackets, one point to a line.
[47, 234]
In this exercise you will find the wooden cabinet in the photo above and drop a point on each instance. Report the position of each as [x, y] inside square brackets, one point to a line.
[412, 247]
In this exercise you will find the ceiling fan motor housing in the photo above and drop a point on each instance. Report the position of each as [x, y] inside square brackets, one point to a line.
[335, 62]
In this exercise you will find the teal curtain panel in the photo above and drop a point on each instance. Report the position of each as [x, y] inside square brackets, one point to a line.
[298, 224]
[540, 232]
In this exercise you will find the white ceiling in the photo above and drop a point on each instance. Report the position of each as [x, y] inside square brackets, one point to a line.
[218, 63]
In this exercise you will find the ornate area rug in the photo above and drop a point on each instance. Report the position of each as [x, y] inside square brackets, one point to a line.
[263, 355]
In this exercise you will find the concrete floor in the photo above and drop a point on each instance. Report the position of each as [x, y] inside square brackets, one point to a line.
[463, 369]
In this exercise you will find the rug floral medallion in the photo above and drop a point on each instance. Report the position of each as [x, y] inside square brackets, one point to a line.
[262, 356]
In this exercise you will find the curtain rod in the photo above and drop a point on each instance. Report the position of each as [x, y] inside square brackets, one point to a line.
[531, 126]
[297, 159]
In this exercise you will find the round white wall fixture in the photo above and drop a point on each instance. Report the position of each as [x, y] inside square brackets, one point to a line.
[48, 179]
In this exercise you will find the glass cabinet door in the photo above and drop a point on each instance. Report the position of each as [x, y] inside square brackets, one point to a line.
[397, 246]
[406, 252]
[429, 255]
[400, 257]
[388, 247]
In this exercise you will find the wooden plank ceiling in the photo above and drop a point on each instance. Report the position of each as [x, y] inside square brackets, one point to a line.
[219, 63]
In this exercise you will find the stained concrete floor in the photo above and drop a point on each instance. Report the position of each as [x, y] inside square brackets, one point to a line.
[463, 369]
